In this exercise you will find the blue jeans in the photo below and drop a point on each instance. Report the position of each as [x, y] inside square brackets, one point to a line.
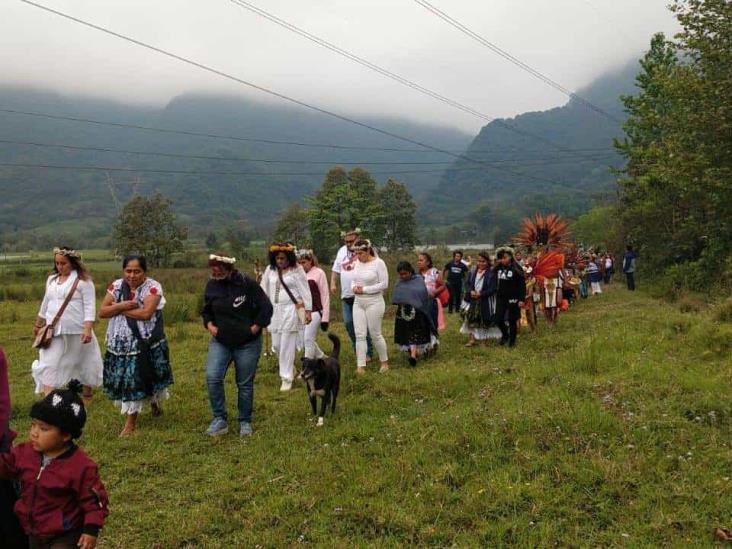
[347, 309]
[245, 361]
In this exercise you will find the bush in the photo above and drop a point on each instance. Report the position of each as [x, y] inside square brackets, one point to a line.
[723, 311]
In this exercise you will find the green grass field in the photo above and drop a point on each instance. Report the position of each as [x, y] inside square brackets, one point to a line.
[611, 430]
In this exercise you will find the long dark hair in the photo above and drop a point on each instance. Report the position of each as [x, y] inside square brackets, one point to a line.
[135, 257]
[428, 257]
[288, 249]
[75, 259]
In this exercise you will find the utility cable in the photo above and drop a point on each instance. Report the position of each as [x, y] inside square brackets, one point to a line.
[507, 56]
[279, 95]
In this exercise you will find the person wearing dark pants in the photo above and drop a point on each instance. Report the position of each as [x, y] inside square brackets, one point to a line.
[629, 261]
[235, 310]
[510, 291]
[454, 275]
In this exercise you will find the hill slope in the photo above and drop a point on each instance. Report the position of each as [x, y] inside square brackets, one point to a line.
[532, 174]
[33, 198]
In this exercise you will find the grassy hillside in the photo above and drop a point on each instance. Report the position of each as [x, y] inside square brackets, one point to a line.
[611, 430]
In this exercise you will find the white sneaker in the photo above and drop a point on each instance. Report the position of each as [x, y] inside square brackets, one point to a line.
[286, 385]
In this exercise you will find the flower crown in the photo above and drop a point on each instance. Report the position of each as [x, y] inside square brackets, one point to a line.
[506, 250]
[355, 231]
[363, 247]
[222, 259]
[304, 254]
[282, 248]
[68, 253]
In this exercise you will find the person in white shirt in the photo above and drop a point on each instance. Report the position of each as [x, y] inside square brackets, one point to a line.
[74, 351]
[286, 286]
[343, 266]
[370, 280]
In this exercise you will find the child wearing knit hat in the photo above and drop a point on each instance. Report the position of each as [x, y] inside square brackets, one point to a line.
[63, 502]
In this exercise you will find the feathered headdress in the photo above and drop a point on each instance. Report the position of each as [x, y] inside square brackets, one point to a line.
[548, 265]
[550, 230]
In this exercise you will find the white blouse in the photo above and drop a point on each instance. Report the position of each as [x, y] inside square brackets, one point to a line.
[295, 279]
[372, 276]
[82, 307]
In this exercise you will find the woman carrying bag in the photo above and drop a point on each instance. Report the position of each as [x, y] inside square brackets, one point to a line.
[286, 286]
[68, 348]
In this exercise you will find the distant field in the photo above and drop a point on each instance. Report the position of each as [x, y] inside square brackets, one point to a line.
[611, 430]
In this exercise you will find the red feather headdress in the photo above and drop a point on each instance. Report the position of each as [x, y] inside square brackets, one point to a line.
[543, 231]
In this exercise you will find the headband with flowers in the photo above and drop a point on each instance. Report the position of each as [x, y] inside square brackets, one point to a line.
[304, 254]
[364, 246]
[67, 253]
[355, 231]
[213, 258]
[282, 248]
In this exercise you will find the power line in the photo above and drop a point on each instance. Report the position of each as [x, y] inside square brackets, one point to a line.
[270, 161]
[253, 174]
[209, 135]
[276, 94]
[272, 141]
[385, 72]
[523, 66]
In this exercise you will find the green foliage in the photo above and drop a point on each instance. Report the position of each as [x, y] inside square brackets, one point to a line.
[598, 229]
[292, 226]
[612, 436]
[398, 214]
[148, 226]
[237, 239]
[349, 200]
[676, 197]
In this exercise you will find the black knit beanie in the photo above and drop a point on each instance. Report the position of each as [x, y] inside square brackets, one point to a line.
[62, 408]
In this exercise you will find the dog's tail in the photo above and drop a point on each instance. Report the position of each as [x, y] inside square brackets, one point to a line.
[336, 345]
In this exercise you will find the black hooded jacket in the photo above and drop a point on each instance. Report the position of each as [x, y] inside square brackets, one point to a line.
[234, 304]
[510, 282]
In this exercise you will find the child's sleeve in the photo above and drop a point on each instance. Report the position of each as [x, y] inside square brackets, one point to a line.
[93, 501]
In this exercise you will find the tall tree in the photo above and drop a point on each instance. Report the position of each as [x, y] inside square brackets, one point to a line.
[148, 226]
[292, 226]
[345, 200]
[399, 227]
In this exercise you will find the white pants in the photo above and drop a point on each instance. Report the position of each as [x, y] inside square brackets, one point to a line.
[596, 289]
[311, 338]
[284, 344]
[368, 312]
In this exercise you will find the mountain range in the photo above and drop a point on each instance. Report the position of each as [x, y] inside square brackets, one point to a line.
[242, 172]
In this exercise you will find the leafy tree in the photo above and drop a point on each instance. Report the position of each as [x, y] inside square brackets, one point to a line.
[237, 238]
[212, 241]
[398, 212]
[345, 200]
[676, 200]
[148, 226]
[292, 225]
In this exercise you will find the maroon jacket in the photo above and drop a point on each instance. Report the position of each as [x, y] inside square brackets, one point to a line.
[65, 495]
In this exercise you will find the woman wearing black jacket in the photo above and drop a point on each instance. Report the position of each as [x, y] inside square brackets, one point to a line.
[510, 291]
[235, 310]
[481, 300]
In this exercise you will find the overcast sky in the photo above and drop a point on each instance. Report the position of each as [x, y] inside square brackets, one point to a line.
[572, 41]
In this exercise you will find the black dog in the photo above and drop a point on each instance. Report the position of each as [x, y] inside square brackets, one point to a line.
[322, 377]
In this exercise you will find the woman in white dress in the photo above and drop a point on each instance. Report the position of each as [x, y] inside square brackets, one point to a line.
[286, 286]
[370, 281]
[74, 351]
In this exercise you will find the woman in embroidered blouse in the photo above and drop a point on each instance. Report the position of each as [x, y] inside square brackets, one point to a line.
[74, 352]
[137, 363]
[286, 286]
[370, 281]
[479, 321]
[320, 316]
